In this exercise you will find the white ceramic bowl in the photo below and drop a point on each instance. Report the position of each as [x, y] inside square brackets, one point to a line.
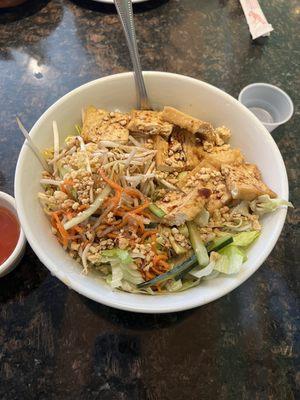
[12, 261]
[189, 95]
[112, 1]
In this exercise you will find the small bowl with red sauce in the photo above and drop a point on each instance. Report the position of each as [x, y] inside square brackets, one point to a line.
[12, 238]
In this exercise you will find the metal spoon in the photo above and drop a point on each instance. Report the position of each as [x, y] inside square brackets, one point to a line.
[124, 8]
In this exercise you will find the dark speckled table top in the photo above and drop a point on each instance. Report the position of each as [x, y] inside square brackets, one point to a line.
[55, 344]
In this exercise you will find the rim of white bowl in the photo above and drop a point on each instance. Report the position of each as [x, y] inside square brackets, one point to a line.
[195, 301]
[284, 94]
[112, 1]
[21, 240]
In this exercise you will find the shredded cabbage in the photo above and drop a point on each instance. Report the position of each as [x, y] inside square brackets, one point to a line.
[264, 204]
[123, 269]
[202, 218]
[90, 211]
[117, 255]
[231, 260]
[242, 209]
[200, 273]
[238, 225]
[173, 286]
[244, 239]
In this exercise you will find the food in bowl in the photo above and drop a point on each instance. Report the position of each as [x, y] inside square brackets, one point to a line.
[9, 233]
[154, 201]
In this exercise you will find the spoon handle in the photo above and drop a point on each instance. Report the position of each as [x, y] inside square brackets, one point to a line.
[124, 8]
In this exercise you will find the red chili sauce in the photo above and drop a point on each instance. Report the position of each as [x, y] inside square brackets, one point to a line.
[9, 233]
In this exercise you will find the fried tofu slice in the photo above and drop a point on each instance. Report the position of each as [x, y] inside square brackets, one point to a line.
[244, 182]
[201, 129]
[104, 125]
[176, 155]
[207, 176]
[222, 134]
[218, 157]
[190, 175]
[181, 207]
[149, 123]
[161, 146]
[173, 155]
[185, 121]
[189, 147]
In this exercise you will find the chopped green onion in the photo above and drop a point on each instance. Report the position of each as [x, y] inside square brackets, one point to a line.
[156, 210]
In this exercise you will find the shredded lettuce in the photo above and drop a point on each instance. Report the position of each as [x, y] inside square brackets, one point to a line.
[231, 260]
[116, 275]
[264, 204]
[184, 230]
[62, 170]
[241, 209]
[131, 274]
[238, 225]
[123, 271]
[202, 218]
[118, 255]
[173, 286]
[176, 246]
[200, 273]
[244, 239]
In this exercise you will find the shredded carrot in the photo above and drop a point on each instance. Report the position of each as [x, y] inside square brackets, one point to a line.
[153, 246]
[147, 215]
[134, 193]
[118, 222]
[112, 235]
[63, 188]
[60, 241]
[149, 275]
[69, 215]
[123, 223]
[64, 234]
[119, 213]
[116, 199]
[164, 264]
[156, 270]
[139, 209]
[69, 182]
[127, 217]
[126, 208]
[158, 258]
[158, 286]
[78, 229]
[83, 207]
[148, 233]
[111, 183]
[106, 202]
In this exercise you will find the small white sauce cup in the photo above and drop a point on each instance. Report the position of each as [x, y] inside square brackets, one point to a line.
[12, 261]
[270, 104]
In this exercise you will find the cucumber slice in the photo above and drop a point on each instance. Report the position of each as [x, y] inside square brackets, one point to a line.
[170, 274]
[220, 243]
